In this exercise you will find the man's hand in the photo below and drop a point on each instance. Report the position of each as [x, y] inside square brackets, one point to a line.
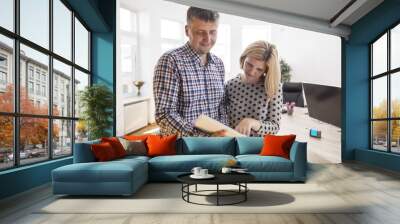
[246, 125]
[220, 133]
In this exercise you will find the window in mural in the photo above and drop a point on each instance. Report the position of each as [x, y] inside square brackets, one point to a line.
[385, 94]
[43, 112]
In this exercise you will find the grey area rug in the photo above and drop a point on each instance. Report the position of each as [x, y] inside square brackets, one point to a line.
[166, 198]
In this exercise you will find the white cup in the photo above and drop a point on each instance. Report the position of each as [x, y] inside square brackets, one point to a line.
[203, 172]
[196, 170]
[226, 170]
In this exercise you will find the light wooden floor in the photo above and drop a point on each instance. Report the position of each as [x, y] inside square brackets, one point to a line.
[151, 128]
[326, 149]
[378, 189]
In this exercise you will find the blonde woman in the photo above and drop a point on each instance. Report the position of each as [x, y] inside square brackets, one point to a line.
[254, 98]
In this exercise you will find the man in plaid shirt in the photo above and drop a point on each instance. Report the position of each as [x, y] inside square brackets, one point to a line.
[189, 81]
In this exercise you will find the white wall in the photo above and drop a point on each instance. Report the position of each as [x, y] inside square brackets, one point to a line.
[237, 47]
[119, 104]
[314, 57]
[149, 15]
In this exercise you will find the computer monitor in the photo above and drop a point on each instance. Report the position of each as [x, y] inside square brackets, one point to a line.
[324, 103]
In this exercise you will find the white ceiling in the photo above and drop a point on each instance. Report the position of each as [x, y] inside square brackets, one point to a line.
[320, 9]
[315, 15]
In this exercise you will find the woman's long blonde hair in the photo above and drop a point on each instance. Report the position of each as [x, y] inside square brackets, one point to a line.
[264, 51]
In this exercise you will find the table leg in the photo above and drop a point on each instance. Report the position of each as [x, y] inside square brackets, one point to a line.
[196, 188]
[188, 190]
[245, 193]
[217, 194]
[182, 188]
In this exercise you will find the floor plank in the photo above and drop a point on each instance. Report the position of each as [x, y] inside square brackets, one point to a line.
[376, 190]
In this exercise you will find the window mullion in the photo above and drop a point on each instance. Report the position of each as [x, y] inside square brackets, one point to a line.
[370, 98]
[19, 80]
[16, 84]
[389, 104]
[50, 81]
[73, 82]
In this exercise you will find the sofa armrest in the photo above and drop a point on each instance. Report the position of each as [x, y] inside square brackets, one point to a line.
[298, 155]
[83, 152]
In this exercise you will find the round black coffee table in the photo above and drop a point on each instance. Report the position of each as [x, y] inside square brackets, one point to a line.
[238, 179]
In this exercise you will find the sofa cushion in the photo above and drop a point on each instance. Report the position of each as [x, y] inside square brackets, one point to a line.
[134, 147]
[249, 145]
[257, 163]
[207, 145]
[83, 152]
[159, 145]
[132, 158]
[116, 145]
[136, 137]
[275, 145]
[112, 171]
[103, 152]
[185, 163]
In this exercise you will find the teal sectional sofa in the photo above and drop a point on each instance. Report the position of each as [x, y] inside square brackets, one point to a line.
[125, 176]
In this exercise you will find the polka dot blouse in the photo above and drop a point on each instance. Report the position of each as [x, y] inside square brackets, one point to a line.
[250, 101]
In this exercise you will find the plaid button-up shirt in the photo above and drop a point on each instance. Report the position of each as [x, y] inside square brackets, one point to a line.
[184, 89]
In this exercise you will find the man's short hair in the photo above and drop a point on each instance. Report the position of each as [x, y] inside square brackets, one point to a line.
[202, 14]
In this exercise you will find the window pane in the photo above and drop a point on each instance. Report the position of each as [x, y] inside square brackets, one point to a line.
[62, 29]
[127, 20]
[379, 55]
[33, 139]
[81, 45]
[6, 142]
[169, 46]
[222, 47]
[6, 75]
[34, 72]
[395, 95]
[379, 98]
[395, 136]
[126, 58]
[62, 133]
[62, 89]
[7, 14]
[35, 21]
[81, 81]
[379, 135]
[81, 131]
[395, 47]
[171, 30]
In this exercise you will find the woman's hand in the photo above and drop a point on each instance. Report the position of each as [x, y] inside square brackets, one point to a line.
[246, 125]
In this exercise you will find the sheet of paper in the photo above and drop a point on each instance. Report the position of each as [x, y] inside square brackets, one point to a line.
[210, 125]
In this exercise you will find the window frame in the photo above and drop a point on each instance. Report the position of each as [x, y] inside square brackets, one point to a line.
[131, 39]
[226, 46]
[15, 72]
[3, 70]
[388, 74]
[170, 41]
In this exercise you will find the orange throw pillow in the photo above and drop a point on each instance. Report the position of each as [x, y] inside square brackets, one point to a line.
[103, 152]
[161, 145]
[275, 145]
[136, 137]
[116, 145]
